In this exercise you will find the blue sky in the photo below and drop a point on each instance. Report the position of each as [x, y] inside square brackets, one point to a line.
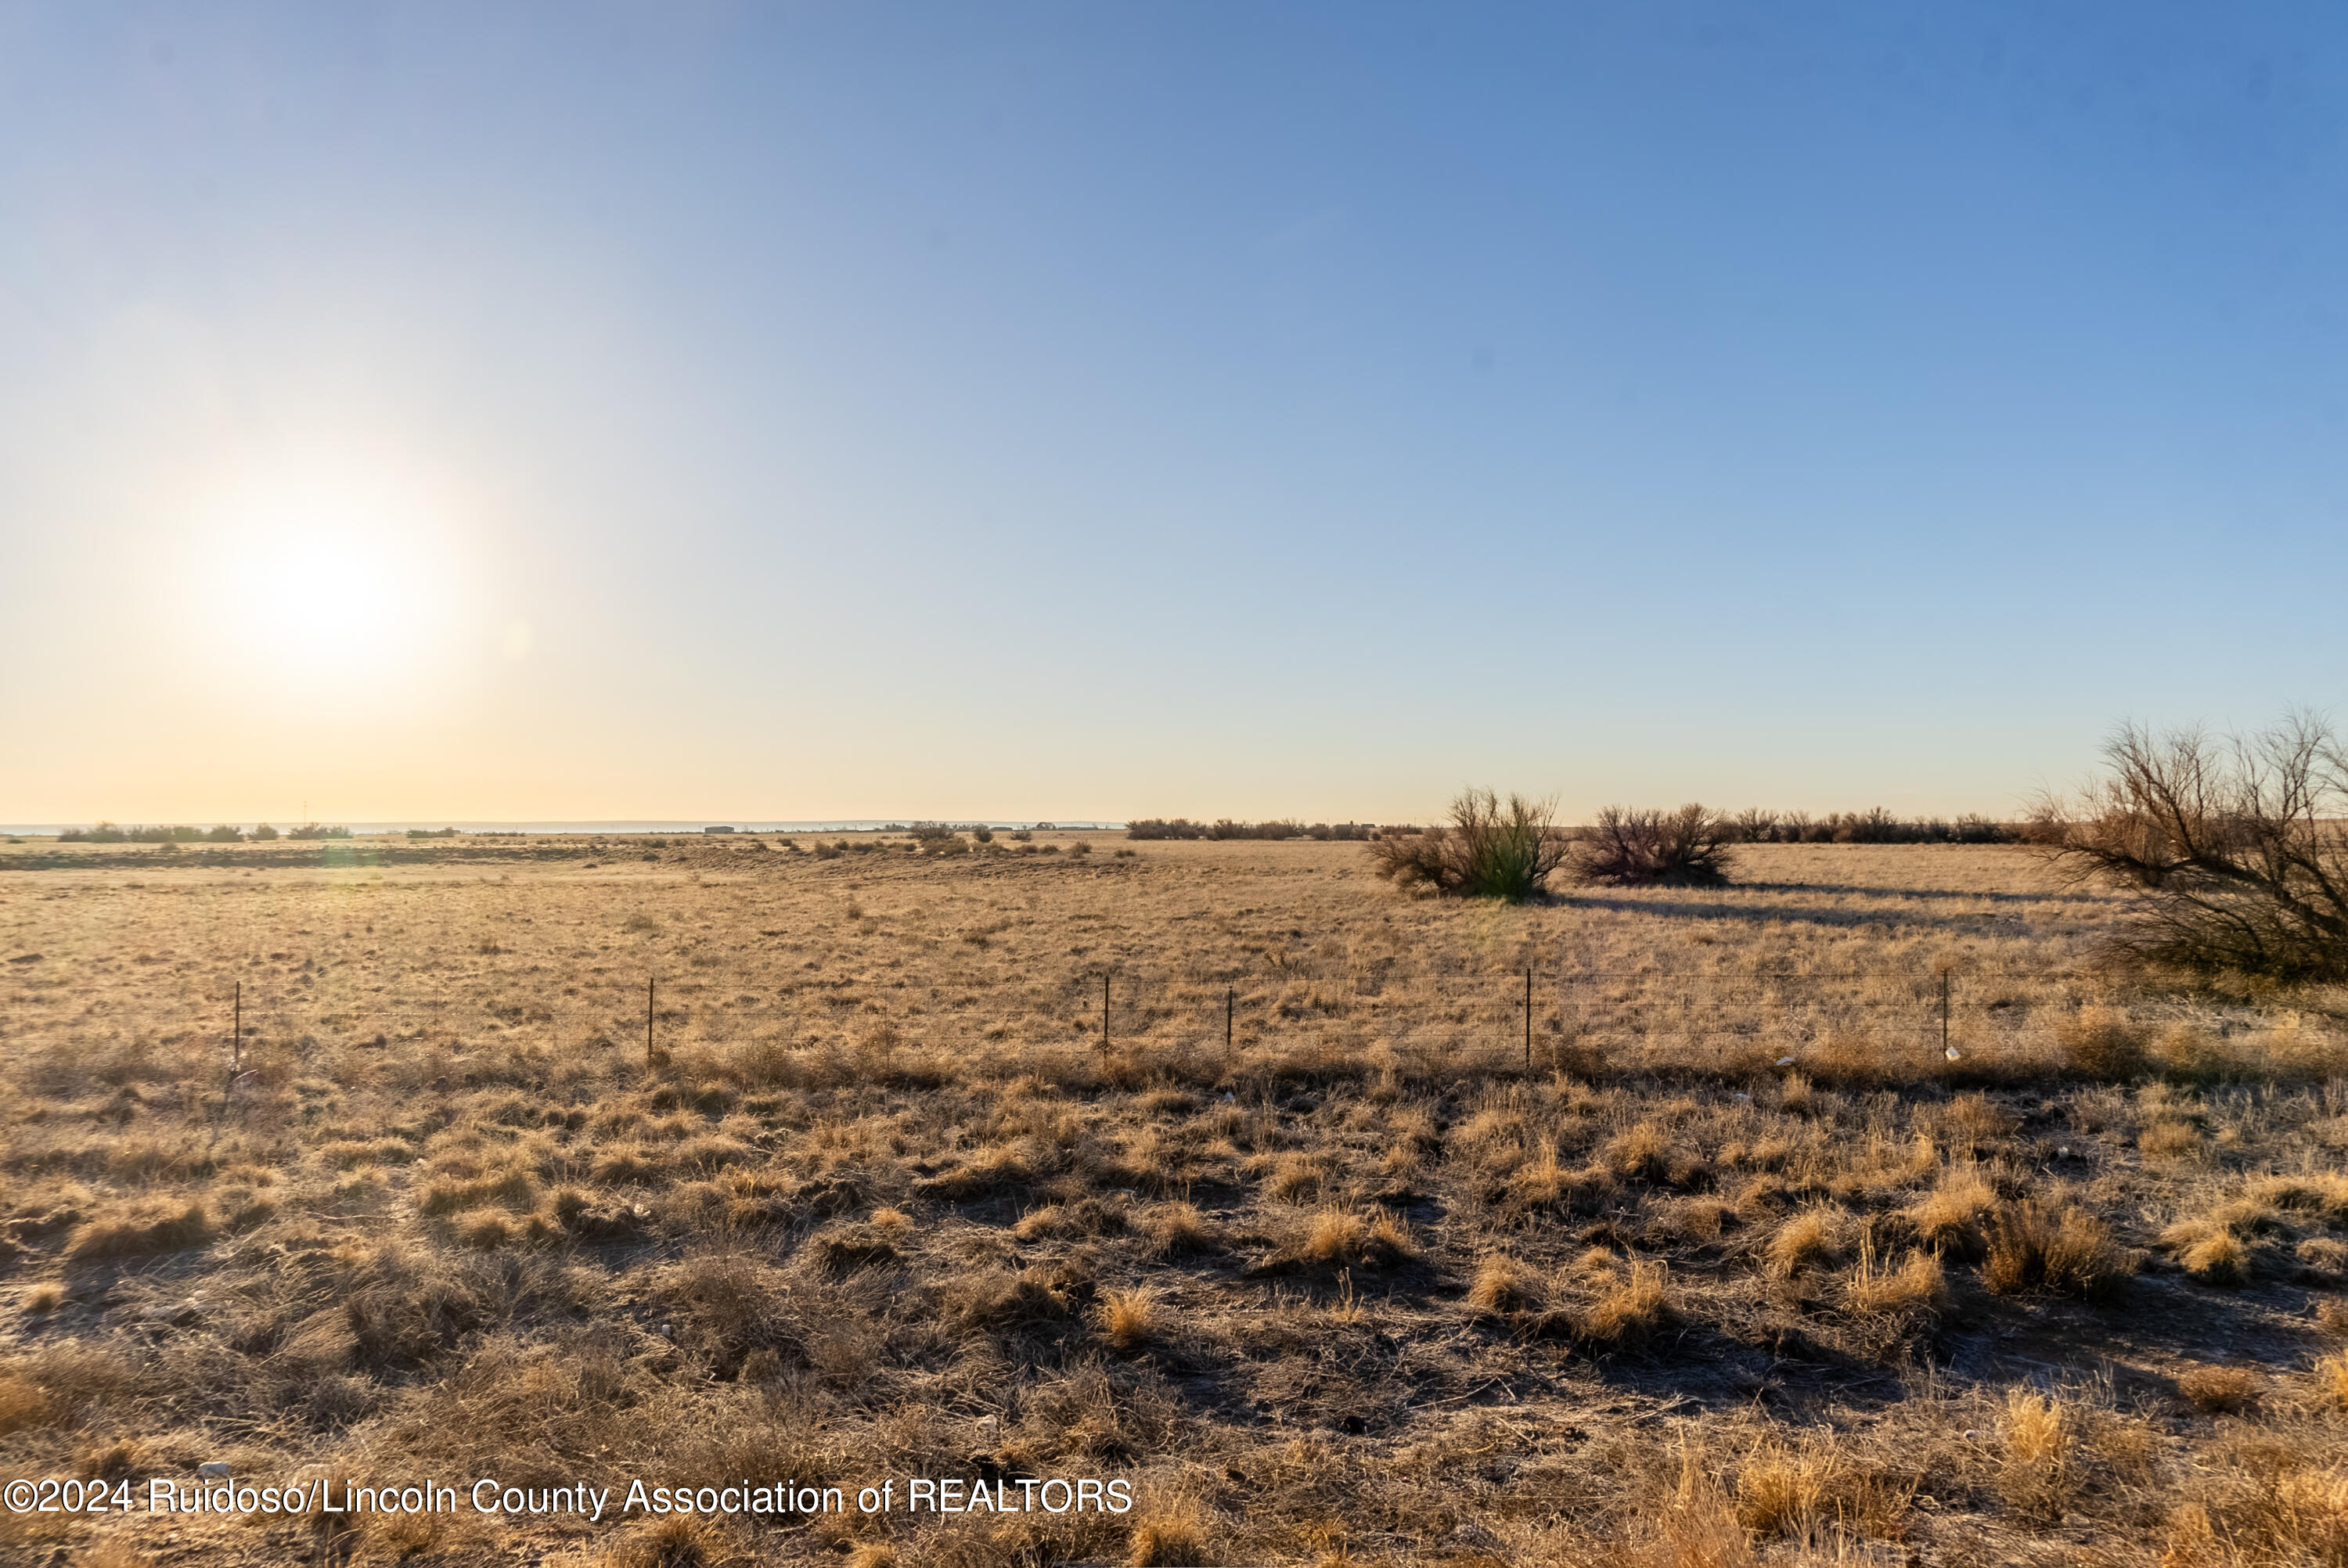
[1079, 411]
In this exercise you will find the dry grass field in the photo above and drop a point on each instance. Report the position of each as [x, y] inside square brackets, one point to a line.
[1711, 1253]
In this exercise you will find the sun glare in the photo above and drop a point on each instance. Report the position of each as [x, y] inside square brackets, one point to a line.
[340, 580]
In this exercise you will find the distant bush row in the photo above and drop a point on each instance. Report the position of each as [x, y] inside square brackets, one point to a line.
[1183, 827]
[1877, 826]
[107, 833]
[1752, 826]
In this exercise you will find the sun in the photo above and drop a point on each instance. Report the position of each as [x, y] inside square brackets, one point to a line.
[335, 578]
[326, 600]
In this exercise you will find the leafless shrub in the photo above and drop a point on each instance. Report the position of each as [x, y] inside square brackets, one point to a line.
[1492, 849]
[2236, 849]
[1633, 847]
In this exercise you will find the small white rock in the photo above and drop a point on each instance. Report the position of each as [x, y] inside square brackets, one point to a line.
[1785, 1061]
[217, 1469]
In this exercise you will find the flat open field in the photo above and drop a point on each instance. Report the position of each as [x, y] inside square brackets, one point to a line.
[1669, 1228]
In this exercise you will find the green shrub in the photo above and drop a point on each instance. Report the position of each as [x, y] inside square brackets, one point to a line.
[1492, 849]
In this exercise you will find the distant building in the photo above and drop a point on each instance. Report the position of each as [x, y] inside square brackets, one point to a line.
[716, 830]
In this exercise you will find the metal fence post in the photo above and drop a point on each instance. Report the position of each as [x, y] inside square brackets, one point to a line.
[1231, 1003]
[1104, 1017]
[1528, 1018]
[1944, 1012]
[649, 984]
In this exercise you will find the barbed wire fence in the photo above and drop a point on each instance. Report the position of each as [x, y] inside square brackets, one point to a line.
[1532, 1019]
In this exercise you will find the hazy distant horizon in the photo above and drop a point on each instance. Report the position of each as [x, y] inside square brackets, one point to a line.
[673, 825]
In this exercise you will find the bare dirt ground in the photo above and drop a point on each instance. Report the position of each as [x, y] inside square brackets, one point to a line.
[1718, 1241]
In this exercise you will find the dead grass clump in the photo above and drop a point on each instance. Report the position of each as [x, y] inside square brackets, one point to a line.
[1693, 1525]
[2070, 1254]
[997, 1169]
[674, 1542]
[1131, 1318]
[1502, 1285]
[22, 1405]
[1085, 1216]
[2322, 1195]
[625, 1164]
[142, 1230]
[1176, 1230]
[2167, 1139]
[2099, 1043]
[61, 1384]
[1916, 1286]
[1295, 1177]
[409, 1311]
[1170, 1531]
[845, 1249]
[725, 1305]
[114, 1459]
[1544, 1182]
[1632, 1310]
[1339, 1237]
[2210, 1253]
[1643, 1152]
[2218, 1390]
[1808, 1240]
[1810, 1488]
[1493, 1136]
[484, 1230]
[1952, 1216]
[998, 1299]
[2262, 1504]
[2038, 1451]
[2331, 1380]
[512, 1189]
[1981, 1119]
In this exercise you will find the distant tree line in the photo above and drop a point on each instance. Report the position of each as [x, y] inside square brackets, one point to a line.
[1875, 825]
[180, 833]
[1224, 828]
[107, 833]
[1752, 826]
